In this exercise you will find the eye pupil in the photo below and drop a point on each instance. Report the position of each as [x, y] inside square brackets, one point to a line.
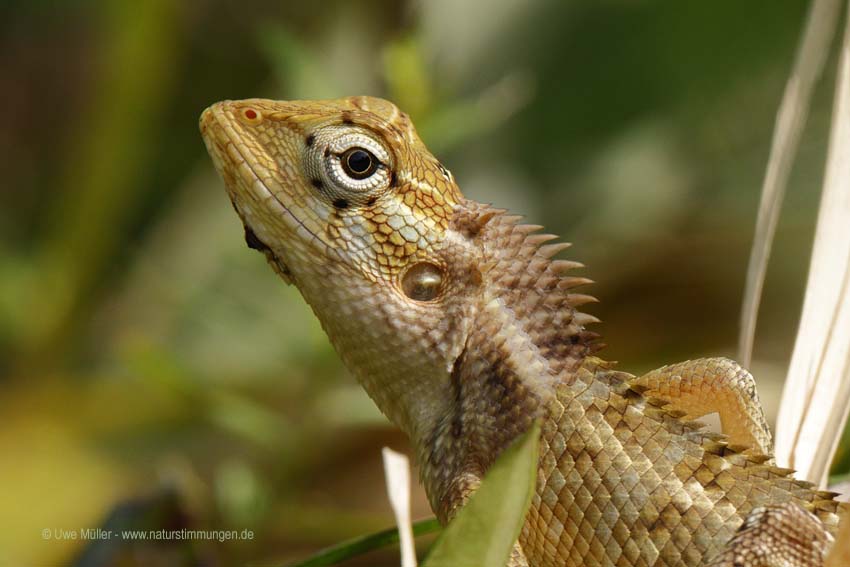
[359, 163]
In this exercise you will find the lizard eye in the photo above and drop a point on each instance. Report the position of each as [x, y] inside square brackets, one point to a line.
[347, 164]
[358, 163]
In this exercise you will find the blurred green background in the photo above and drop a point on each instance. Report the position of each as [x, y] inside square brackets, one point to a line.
[155, 373]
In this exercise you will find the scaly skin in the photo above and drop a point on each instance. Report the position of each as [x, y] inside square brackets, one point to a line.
[463, 329]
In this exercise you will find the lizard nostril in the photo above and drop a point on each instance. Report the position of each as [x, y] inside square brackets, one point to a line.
[251, 116]
[422, 281]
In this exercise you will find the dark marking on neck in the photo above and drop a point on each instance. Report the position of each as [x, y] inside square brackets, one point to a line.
[490, 408]
[455, 380]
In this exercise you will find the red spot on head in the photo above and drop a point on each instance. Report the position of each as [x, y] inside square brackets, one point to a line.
[250, 114]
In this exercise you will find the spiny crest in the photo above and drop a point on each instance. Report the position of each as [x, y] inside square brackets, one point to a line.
[519, 267]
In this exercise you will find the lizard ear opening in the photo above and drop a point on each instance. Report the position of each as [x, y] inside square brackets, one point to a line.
[422, 281]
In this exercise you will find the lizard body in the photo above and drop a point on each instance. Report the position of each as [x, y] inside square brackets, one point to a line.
[464, 330]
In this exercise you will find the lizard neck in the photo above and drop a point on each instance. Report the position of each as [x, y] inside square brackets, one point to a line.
[527, 346]
[501, 384]
[401, 351]
[462, 376]
[410, 386]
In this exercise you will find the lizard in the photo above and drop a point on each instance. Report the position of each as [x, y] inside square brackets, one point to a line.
[464, 325]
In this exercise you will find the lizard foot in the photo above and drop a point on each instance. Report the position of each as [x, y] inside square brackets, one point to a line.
[783, 535]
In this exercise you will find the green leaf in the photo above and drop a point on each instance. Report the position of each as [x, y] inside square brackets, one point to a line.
[484, 531]
[364, 544]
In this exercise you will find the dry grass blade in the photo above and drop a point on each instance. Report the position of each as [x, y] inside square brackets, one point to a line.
[397, 471]
[812, 53]
[816, 399]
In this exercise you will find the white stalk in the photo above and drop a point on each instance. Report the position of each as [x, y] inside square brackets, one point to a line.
[397, 471]
[790, 119]
[816, 399]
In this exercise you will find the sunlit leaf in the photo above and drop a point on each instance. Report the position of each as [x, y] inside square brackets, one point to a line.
[485, 530]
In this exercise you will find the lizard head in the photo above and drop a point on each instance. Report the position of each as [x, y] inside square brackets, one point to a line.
[347, 203]
[346, 179]
[416, 287]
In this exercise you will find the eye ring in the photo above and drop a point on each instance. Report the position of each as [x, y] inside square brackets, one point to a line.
[348, 163]
[359, 163]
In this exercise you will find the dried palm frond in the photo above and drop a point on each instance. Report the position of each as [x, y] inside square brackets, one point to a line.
[816, 398]
[790, 119]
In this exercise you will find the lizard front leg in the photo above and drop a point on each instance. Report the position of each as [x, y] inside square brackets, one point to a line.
[707, 385]
[783, 535]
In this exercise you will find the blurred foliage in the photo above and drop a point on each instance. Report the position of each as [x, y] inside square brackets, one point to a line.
[336, 554]
[145, 352]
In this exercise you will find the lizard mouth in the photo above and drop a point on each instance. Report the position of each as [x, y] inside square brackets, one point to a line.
[255, 243]
[216, 130]
[273, 259]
